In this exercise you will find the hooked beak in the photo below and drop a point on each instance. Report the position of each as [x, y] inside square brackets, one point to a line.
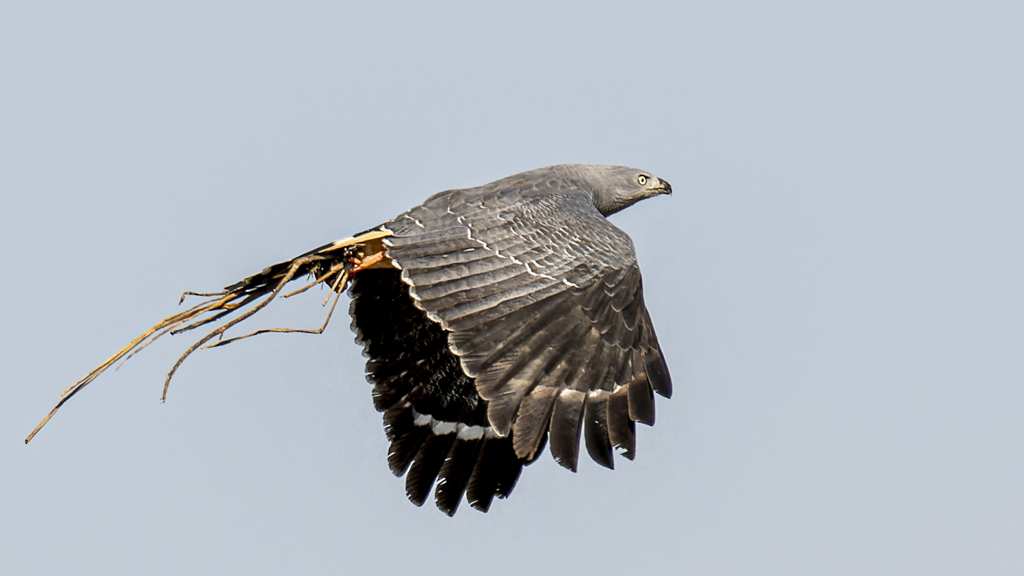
[663, 187]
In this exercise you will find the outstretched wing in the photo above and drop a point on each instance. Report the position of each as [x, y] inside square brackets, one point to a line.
[543, 302]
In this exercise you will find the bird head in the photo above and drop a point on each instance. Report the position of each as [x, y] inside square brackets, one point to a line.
[614, 188]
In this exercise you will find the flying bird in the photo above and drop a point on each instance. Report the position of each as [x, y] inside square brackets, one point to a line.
[495, 320]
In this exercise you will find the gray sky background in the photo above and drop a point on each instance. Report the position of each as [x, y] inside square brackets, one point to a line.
[836, 282]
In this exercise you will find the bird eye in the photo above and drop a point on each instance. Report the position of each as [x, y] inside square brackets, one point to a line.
[642, 179]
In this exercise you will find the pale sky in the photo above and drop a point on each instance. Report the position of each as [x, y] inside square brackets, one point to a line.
[837, 281]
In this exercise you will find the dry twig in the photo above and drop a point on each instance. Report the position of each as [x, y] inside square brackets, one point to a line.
[332, 263]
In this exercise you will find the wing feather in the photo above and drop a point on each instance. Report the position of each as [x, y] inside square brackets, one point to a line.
[565, 427]
[426, 466]
[641, 398]
[406, 438]
[455, 473]
[621, 429]
[498, 274]
[654, 360]
[595, 415]
[489, 471]
[533, 419]
[543, 304]
[509, 385]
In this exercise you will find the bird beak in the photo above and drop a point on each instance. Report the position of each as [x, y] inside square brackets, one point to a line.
[664, 186]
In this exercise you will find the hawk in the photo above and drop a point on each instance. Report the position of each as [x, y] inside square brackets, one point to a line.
[496, 320]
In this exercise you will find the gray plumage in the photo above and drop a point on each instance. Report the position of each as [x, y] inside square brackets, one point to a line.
[543, 303]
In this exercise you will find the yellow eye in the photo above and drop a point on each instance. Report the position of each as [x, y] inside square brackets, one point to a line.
[642, 179]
